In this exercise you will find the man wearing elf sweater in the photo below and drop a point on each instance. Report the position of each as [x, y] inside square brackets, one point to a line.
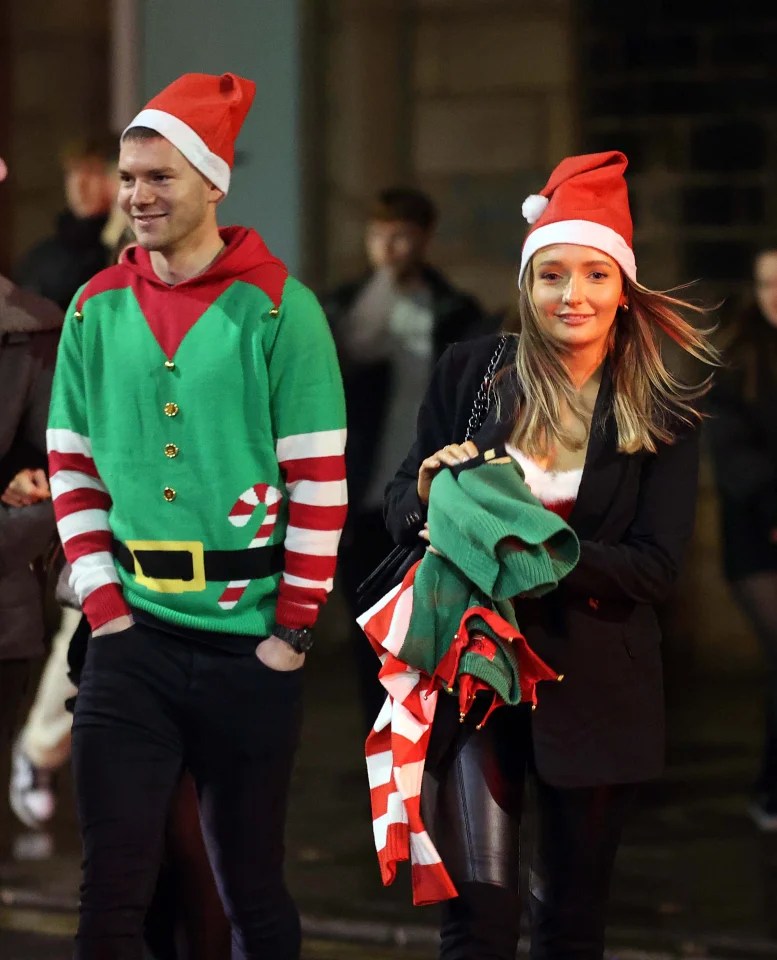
[196, 442]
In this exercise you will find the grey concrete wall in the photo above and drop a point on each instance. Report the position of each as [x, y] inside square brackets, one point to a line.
[261, 40]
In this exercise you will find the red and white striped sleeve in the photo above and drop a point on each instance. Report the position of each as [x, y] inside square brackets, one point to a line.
[313, 465]
[81, 505]
[81, 500]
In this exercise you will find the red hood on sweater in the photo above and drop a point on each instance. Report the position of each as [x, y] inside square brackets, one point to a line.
[245, 253]
[171, 311]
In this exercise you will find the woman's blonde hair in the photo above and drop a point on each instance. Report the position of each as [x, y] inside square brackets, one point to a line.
[649, 401]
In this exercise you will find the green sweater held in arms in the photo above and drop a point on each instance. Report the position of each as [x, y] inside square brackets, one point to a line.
[493, 540]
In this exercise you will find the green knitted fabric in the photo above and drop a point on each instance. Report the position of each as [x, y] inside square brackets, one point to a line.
[472, 515]
[501, 673]
[441, 595]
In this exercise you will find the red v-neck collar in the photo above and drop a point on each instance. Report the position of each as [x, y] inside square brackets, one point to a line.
[172, 311]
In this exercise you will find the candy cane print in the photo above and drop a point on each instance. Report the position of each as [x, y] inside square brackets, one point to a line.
[239, 515]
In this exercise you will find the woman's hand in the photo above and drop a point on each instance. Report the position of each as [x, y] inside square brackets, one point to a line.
[447, 457]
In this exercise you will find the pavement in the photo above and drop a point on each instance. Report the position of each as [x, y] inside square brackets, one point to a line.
[694, 877]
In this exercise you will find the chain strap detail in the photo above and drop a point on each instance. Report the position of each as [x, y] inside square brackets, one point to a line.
[480, 405]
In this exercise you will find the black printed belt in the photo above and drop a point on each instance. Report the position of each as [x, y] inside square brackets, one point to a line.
[177, 566]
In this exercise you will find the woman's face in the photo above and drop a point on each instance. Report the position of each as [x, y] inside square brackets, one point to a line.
[765, 278]
[577, 291]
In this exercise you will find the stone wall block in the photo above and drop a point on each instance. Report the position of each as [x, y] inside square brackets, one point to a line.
[492, 283]
[429, 58]
[70, 21]
[478, 134]
[480, 216]
[366, 123]
[724, 204]
[744, 44]
[345, 227]
[731, 145]
[499, 52]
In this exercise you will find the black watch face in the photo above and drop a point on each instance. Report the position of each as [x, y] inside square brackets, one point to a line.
[300, 640]
[303, 641]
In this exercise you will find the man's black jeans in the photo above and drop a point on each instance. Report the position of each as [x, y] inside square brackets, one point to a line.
[150, 703]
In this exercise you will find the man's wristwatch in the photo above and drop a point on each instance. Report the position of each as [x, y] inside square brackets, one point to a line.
[299, 639]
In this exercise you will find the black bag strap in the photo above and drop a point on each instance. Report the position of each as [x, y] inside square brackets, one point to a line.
[391, 570]
[480, 404]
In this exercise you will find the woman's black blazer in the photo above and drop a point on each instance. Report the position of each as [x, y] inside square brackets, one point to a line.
[634, 515]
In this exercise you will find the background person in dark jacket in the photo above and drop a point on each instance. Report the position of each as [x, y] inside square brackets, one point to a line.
[390, 325]
[29, 333]
[742, 435]
[55, 268]
[58, 265]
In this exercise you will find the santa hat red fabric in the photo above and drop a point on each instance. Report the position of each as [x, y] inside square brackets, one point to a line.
[201, 114]
[586, 202]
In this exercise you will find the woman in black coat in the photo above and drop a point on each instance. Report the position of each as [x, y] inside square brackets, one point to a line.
[742, 436]
[607, 438]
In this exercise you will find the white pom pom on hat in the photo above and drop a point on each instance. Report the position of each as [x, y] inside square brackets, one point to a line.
[584, 202]
[534, 207]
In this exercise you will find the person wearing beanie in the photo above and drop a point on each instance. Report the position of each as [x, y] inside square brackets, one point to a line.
[606, 436]
[196, 448]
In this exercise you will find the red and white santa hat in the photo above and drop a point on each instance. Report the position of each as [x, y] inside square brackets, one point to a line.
[586, 202]
[201, 114]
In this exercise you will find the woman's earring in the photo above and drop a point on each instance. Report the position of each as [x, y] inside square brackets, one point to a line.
[625, 307]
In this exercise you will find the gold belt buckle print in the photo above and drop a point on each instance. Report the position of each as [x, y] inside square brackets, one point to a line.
[170, 584]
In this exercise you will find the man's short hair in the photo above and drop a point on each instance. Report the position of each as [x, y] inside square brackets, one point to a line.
[404, 203]
[101, 146]
[141, 133]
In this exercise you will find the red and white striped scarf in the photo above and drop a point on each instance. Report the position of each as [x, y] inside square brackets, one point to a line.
[396, 752]
[396, 747]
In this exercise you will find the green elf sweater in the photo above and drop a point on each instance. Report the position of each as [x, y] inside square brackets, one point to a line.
[196, 440]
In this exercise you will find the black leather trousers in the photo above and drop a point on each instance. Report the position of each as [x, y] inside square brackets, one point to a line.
[472, 802]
